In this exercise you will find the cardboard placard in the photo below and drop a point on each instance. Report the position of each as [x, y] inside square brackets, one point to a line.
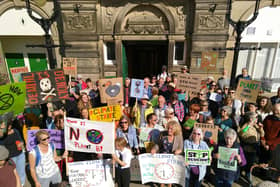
[198, 157]
[106, 113]
[248, 89]
[56, 137]
[137, 88]
[135, 174]
[191, 83]
[89, 136]
[162, 168]
[227, 159]
[111, 90]
[45, 86]
[209, 60]
[12, 98]
[209, 130]
[16, 73]
[70, 66]
[94, 173]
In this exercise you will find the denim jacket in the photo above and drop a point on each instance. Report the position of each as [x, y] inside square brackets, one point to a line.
[131, 136]
[188, 144]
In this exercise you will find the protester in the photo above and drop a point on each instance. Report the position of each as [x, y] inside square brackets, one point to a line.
[163, 73]
[195, 173]
[185, 70]
[147, 88]
[168, 116]
[15, 145]
[128, 131]
[204, 112]
[123, 158]
[159, 110]
[224, 122]
[276, 99]
[84, 102]
[8, 174]
[177, 106]
[126, 92]
[225, 178]
[190, 120]
[154, 100]
[272, 135]
[44, 171]
[140, 111]
[244, 75]
[264, 107]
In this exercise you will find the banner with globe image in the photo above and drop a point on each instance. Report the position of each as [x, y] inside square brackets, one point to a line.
[89, 136]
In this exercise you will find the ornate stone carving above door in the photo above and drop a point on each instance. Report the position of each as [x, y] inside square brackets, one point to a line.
[145, 20]
[80, 22]
[211, 22]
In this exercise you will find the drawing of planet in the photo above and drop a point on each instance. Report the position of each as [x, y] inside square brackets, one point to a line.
[94, 136]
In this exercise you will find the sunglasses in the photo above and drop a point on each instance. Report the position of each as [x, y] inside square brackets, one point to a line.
[194, 133]
[44, 139]
[232, 92]
[123, 122]
[201, 94]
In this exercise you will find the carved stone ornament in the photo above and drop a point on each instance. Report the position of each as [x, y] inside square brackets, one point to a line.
[108, 18]
[210, 22]
[181, 16]
[81, 22]
[145, 20]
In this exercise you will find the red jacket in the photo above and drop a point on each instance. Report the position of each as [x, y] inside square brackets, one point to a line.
[271, 126]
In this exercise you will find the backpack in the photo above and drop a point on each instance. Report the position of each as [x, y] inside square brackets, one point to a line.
[38, 155]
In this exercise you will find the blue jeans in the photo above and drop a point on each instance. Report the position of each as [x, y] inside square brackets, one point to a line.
[223, 182]
[20, 166]
[193, 181]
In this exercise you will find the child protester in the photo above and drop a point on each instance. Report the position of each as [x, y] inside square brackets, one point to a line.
[123, 158]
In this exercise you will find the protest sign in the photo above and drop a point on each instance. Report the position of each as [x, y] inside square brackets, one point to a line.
[16, 73]
[111, 90]
[209, 60]
[45, 86]
[191, 83]
[56, 137]
[209, 130]
[95, 173]
[70, 66]
[135, 174]
[137, 88]
[106, 113]
[162, 168]
[248, 89]
[227, 158]
[198, 157]
[12, 98]
[216, 97]
[144, 136]
[4, 118]
[89, 136]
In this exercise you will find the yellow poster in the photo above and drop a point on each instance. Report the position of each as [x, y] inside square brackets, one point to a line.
[106, 113]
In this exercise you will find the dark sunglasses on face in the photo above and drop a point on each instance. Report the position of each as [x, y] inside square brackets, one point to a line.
[123, 122]
[44, 139]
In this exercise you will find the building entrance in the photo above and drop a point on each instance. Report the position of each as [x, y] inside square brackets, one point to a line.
[145, 58]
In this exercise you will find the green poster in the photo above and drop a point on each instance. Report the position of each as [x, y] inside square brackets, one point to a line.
[12, 98]
[198, 157]
[227, 159]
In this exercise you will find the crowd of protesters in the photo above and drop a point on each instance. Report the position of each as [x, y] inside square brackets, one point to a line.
[171, 113]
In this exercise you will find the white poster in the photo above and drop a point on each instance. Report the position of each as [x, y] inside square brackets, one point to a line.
[90, 173]
[162, 168]
[89, 136]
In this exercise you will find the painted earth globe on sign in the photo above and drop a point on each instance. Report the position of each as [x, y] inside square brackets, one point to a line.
[94, 136]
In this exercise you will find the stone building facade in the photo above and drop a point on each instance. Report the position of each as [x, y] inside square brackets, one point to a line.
[137, 37]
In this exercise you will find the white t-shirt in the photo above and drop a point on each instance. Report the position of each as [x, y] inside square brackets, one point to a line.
[126, 156]
[47, 166]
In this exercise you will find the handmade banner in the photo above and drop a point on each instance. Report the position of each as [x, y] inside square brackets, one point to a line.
[210, 131]
[95, 173]
[16, 73]
[45, 86]
[89, 136]
[112, 90]
[137, 88]
[70, 66]
[162, 168]
[227, 158]
[56, 137]
[135, 174]
[106, 113]
[191, 83]
[216, 97]
[209, 60]
[198, 157]
[12, 98]
[248, 89]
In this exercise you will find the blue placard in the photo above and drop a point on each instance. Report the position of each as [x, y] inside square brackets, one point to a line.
[137, 88]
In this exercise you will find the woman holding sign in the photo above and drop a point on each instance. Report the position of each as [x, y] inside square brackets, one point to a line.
[195, 173]
[230, 158]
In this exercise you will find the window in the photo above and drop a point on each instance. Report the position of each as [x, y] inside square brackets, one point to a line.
[111, 54]
[179, 51]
